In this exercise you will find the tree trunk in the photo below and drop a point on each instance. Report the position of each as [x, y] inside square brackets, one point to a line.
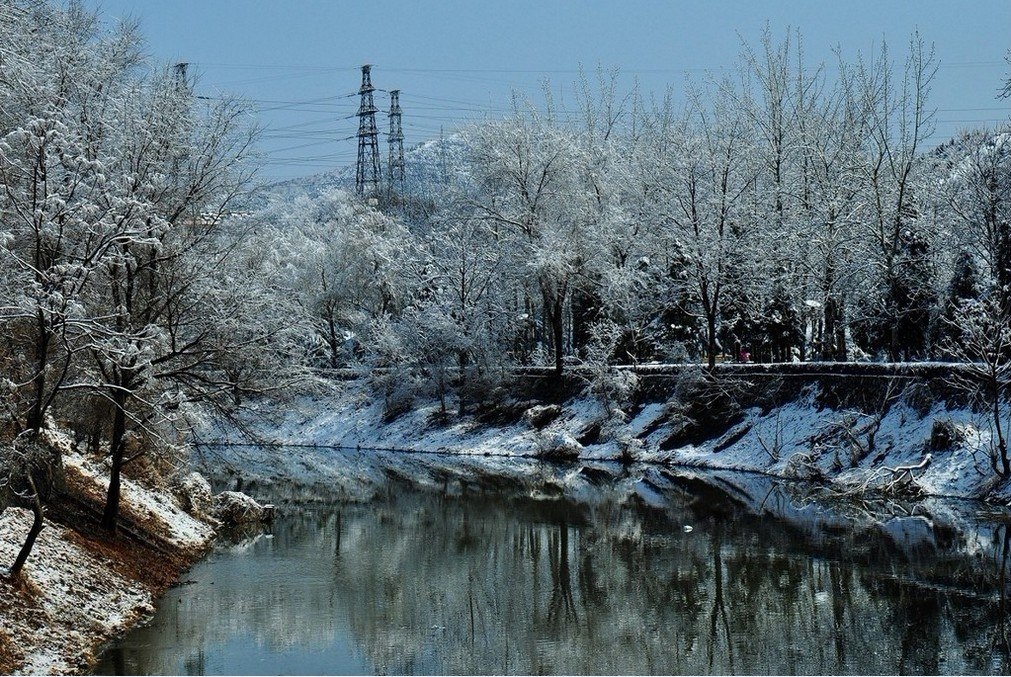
[33, 533]
[553, 304]
[334, 344]
[34, 421]
[111, 513]
[840, 332]
[462, 361]
[893, 344]
[1001, 452]
[711, 339]
[558, 337]
[828, 347]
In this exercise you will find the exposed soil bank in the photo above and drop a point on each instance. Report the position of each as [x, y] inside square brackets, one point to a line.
[82, 587]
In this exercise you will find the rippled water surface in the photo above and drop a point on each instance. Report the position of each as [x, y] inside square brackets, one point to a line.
[686, 582]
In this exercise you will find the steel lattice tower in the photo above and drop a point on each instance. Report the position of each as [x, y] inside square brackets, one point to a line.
[181, 71]
[396, 141]
[369, 173]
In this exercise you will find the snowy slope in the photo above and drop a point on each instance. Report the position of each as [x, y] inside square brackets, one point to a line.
[798, 439]
[77, 596]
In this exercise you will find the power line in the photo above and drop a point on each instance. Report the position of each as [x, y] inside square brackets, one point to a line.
[430, 114]
[416, 69]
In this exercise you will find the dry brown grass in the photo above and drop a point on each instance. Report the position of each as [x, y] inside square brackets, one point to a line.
[155, 568]
[8, 658]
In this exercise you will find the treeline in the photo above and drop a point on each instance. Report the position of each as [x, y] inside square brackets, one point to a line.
[786, 212]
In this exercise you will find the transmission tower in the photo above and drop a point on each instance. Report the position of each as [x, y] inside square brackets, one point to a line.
[396, 141]
[182, 81]
[369, 174]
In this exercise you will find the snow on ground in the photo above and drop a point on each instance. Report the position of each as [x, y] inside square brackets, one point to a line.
[76, 600]
[80, 591]
[770, 442]
[799, 434]
[354, 421]
[174, 525]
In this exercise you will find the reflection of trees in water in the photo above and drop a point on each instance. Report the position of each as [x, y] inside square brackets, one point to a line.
[982, 623]
[195, 663]
[437, 585]
[562, 608]
[272, 592]
[632, 593]
[718, 615]
[1002, 562]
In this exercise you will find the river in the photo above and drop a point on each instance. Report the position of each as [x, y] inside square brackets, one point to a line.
[680, 579]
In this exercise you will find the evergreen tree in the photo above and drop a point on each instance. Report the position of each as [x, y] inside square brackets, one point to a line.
[895, 319]
[964, 286]
[781, 327]
[911, 297]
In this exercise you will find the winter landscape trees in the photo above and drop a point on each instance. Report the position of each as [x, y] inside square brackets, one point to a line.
[787, 212]
[114, 186]
[781, 212]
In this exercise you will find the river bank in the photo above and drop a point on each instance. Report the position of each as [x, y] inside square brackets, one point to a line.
[843, 434]
[82, 587]
[859, 433]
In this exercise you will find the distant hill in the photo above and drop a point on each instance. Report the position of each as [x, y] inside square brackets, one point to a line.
[427, 166]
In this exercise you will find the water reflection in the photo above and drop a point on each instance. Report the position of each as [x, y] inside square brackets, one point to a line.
[431, 583]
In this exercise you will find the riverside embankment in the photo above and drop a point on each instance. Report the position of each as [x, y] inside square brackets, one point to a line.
[852, 427]
[82, 587]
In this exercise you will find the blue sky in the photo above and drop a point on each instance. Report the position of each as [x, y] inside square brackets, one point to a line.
[456, 61]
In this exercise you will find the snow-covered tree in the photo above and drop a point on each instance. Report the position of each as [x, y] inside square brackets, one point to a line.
[898, 121]
[64, 73]
[707, 180]
[464, 287]
[114, 184]
[832, 200]
[343, 264]
[159, 327]
[527, 170]
[975, 191]
[964, 287]
[983, 344]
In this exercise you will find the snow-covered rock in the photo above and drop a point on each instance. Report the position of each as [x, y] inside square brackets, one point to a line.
[945, 434]
[559, 446]
[235, 507]
[541, 415]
